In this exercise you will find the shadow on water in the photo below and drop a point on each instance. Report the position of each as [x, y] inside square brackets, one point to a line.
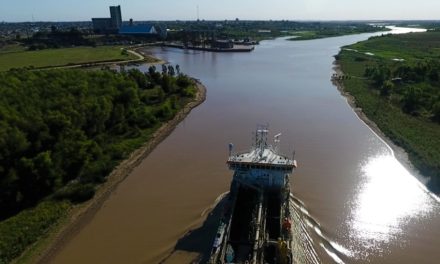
[200, 240]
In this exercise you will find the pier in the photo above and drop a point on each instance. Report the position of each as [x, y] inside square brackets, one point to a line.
[235, 48]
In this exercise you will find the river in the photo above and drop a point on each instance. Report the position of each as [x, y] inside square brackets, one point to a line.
[366, 206]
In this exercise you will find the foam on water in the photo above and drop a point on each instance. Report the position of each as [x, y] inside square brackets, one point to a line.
[310, 226]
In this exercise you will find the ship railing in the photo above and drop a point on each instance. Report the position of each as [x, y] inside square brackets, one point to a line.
[233, 164]
[221, 256]
[270, 147]
[257, 232]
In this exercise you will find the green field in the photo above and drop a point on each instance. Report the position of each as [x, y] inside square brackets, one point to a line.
[331, 32]
[412, 47]
[401, 96]
[17, 58]
[12, 48]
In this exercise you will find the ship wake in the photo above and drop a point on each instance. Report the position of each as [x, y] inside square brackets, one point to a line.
[307, 234]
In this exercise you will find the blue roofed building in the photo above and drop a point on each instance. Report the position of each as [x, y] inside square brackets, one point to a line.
[143, 29]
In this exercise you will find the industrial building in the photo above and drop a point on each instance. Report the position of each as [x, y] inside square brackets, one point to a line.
[116, 17]
[114, 25]
[109, 25]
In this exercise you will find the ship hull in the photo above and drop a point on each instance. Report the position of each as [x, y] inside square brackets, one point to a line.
[254, 227]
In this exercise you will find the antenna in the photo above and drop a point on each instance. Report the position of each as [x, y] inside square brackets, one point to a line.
[277, 142]
[198, 18]
[293, 154]
[231, 147]
[261, 138]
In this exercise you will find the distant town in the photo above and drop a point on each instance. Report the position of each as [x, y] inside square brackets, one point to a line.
[214, 35]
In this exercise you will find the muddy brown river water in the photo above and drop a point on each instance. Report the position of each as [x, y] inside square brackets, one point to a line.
[360, 204]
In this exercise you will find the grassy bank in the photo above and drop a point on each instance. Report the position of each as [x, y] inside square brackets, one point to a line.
[395, 80]
[27, 227]
[18, 58]
[328, 32]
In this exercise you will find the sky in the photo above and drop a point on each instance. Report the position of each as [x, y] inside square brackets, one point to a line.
[84, 10]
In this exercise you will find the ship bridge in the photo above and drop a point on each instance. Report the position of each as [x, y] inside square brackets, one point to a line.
[262, 166]
[267, 159]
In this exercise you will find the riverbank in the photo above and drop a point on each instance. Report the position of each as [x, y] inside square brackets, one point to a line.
[44, 250]
[398, 151]
[394, 79]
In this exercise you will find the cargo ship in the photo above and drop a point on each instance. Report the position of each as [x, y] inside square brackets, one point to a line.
[255, 225]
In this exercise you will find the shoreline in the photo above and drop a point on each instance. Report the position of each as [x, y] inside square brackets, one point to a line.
[80, 215]
[398, 152]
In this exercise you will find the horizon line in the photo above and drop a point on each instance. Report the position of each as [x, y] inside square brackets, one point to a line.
[222, 20]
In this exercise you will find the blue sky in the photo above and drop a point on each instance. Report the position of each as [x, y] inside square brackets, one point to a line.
[75, 10]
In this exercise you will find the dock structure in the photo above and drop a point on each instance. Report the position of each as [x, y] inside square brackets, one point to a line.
[235, 48]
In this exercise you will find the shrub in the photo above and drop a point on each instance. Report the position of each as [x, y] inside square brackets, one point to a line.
[76, 192]
[23, 229]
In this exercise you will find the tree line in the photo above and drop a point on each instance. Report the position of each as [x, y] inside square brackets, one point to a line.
[416, 88]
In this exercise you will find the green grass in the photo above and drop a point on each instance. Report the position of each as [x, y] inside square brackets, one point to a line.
[12, 48]
[18, 232]
[418, 135]
[411, 47]
[309, 35]
[304, 35]
[44, 241]
[328, 32]
[61, 57]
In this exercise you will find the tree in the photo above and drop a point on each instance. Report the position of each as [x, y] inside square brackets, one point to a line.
[379, 75]
[164, 69]
[436, 111]
[171, 70]
[386, 88]
[178, 69]
[37, 176]
[166, 84]
[183, 81]
[98, 113]
[154, 75]
[137, 76]
[412, 99]
[152, 70]
[433, 75]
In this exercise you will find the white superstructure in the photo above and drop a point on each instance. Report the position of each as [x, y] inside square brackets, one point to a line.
[262, 166]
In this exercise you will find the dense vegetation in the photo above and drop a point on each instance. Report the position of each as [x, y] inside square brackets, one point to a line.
[396, 81]
[63, 131]
[57, 39]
